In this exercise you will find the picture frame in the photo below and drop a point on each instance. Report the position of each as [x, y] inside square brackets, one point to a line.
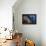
[29, 18]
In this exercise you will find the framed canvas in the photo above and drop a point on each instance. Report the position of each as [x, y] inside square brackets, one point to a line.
[28, 18]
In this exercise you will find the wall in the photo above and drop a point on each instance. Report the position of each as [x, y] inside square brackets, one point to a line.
[6, 16]
[6, 13]
[32, 32]
[43, 22]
